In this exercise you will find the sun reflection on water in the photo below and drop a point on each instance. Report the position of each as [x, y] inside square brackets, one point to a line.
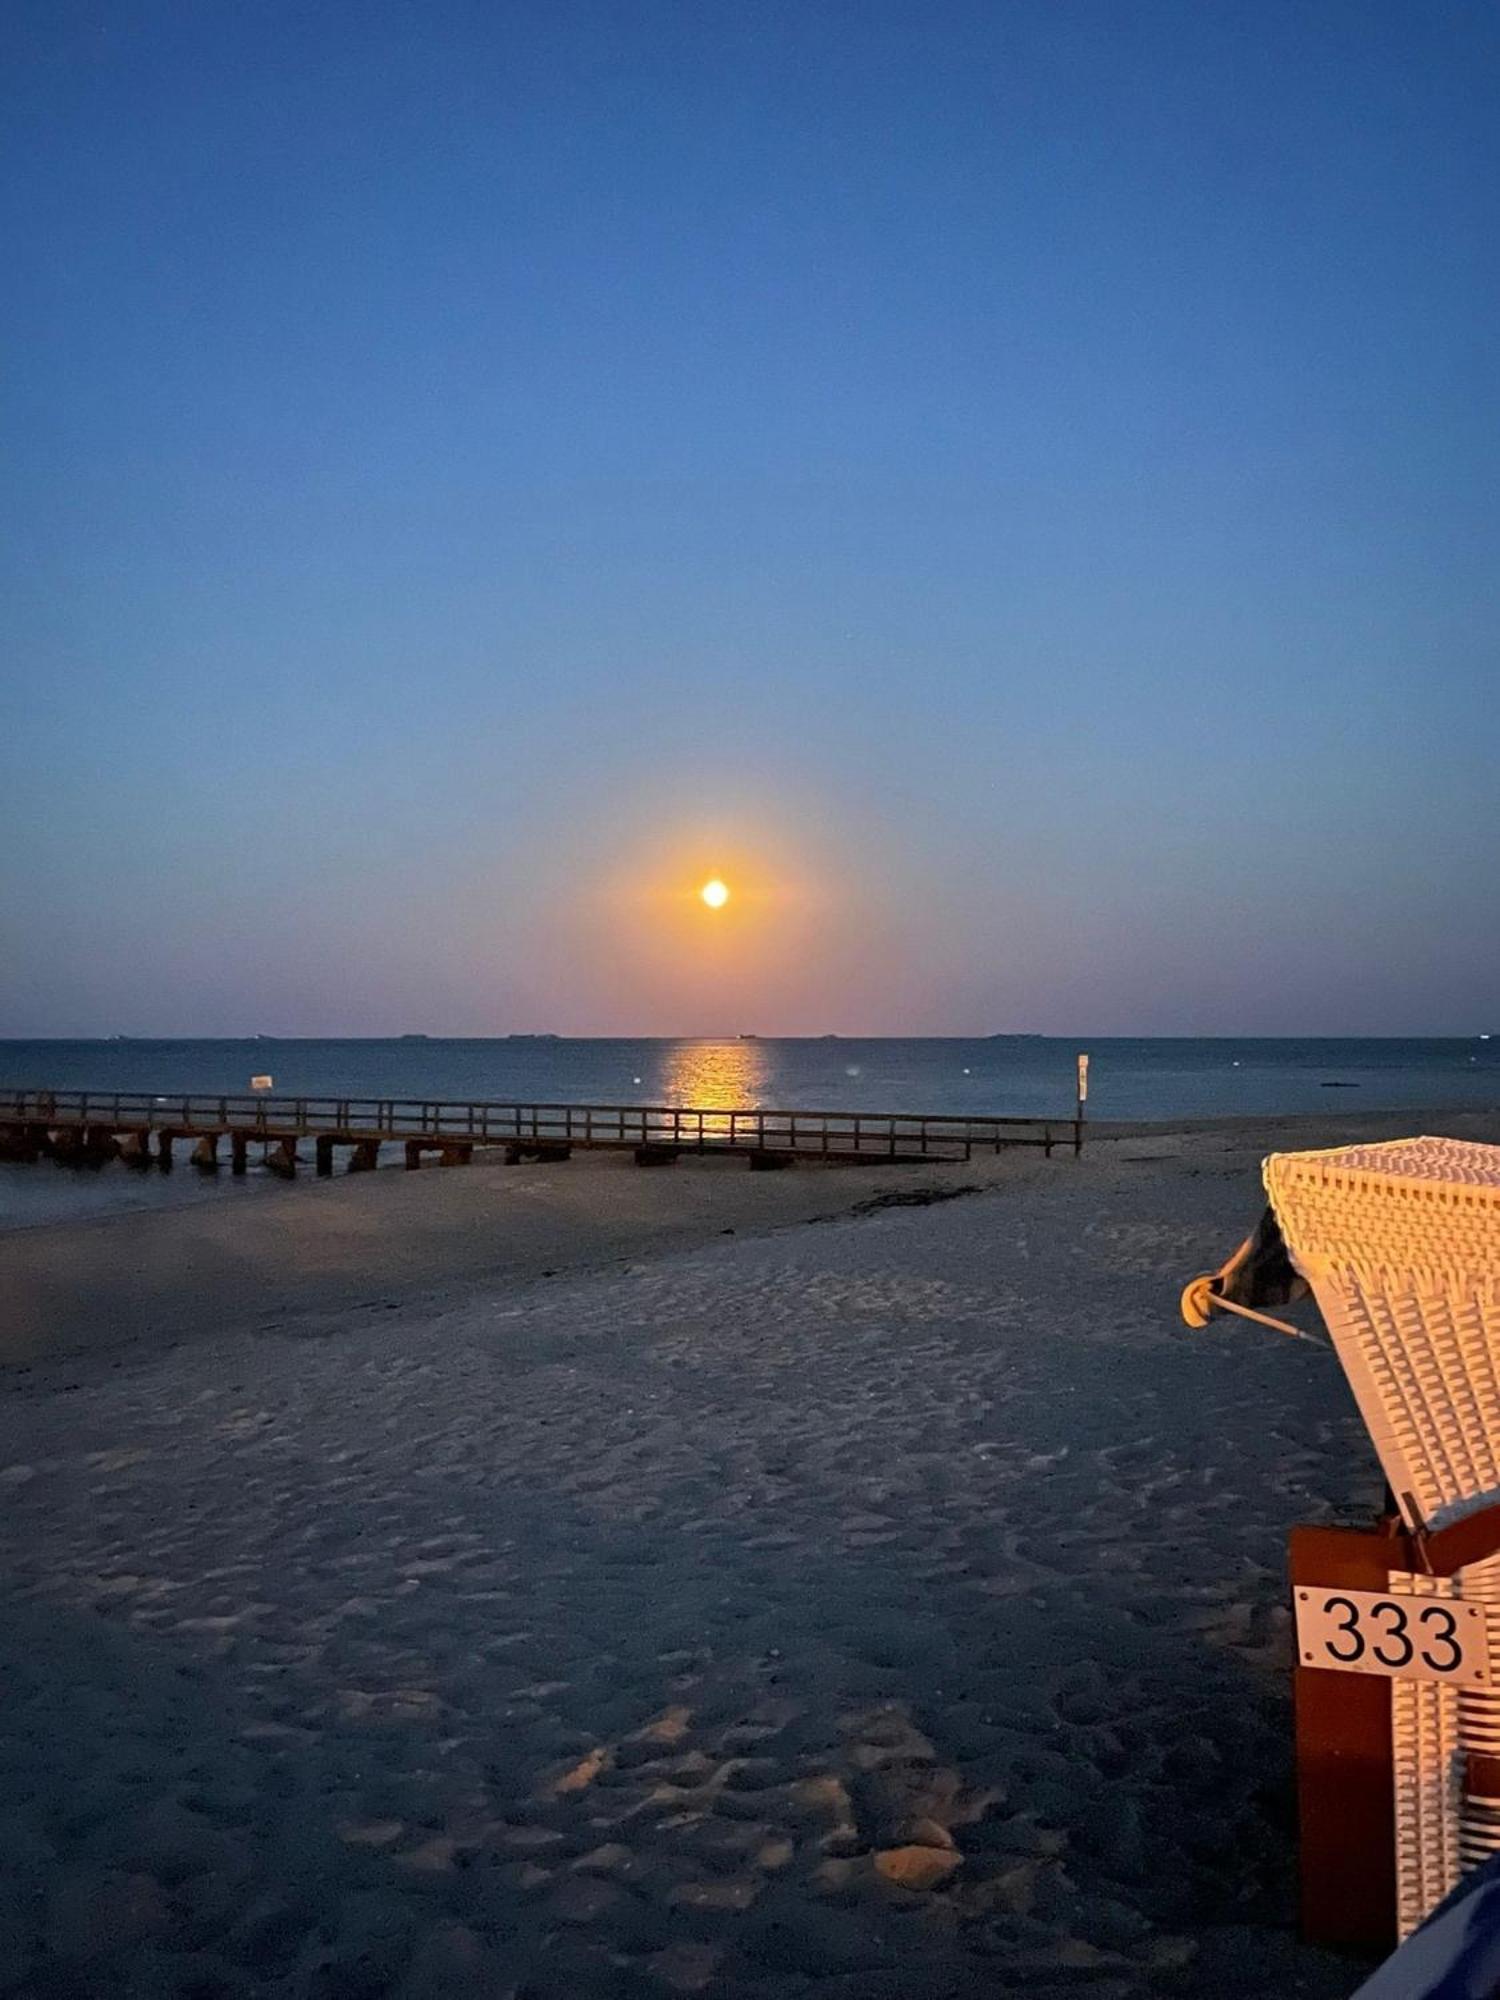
[716, 1076]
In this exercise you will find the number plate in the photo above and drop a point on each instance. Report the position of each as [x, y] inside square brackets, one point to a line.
[1404, 1638]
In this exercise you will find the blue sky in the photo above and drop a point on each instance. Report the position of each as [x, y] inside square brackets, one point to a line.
[1016, 482]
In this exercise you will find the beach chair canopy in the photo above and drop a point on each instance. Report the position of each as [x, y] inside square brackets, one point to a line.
[1399, 1244]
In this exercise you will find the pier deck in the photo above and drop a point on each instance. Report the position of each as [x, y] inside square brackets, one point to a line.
[132, 1122]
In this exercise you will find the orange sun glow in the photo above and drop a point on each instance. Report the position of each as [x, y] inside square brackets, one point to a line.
[715, 894]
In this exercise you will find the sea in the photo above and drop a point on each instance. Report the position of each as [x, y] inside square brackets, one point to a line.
[1019, 1075]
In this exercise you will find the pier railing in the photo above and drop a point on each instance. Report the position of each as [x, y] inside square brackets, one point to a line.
[834, 1135]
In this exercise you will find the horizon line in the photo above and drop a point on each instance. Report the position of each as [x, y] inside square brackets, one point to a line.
[824, 1035]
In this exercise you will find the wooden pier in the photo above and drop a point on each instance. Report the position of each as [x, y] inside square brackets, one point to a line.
[143, 1128]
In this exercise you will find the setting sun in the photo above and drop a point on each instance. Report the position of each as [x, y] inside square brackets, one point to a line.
[715, 894]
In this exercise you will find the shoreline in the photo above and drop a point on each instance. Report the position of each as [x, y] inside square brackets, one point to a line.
[1354, 1118]
[311, 1254]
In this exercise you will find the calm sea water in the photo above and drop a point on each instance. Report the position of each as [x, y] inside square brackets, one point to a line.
[1017, 1074]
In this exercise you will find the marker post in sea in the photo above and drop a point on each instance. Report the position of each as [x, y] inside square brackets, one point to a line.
[1083, 1098]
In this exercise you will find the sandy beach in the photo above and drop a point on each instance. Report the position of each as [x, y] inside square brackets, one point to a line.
[573, 1581]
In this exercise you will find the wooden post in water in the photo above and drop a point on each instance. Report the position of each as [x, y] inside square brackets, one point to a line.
[206, 1153]
[164, 1151]
[99, 1143]
[1083, 1098]
[323, 1156]
[239, 1152]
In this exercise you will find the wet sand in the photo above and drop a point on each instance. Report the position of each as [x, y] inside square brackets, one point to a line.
[312, 1252]
[890, 1606]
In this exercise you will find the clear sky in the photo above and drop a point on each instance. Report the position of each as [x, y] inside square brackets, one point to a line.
[1013, 487]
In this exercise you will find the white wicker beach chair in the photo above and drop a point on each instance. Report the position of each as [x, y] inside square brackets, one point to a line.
[1400, 1244]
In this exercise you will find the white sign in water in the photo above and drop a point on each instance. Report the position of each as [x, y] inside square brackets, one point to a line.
[1403, 1638]
[1083, 1079]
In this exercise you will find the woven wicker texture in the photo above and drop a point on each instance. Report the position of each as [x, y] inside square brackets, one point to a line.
[1427, 1766]
[1401, 1245]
